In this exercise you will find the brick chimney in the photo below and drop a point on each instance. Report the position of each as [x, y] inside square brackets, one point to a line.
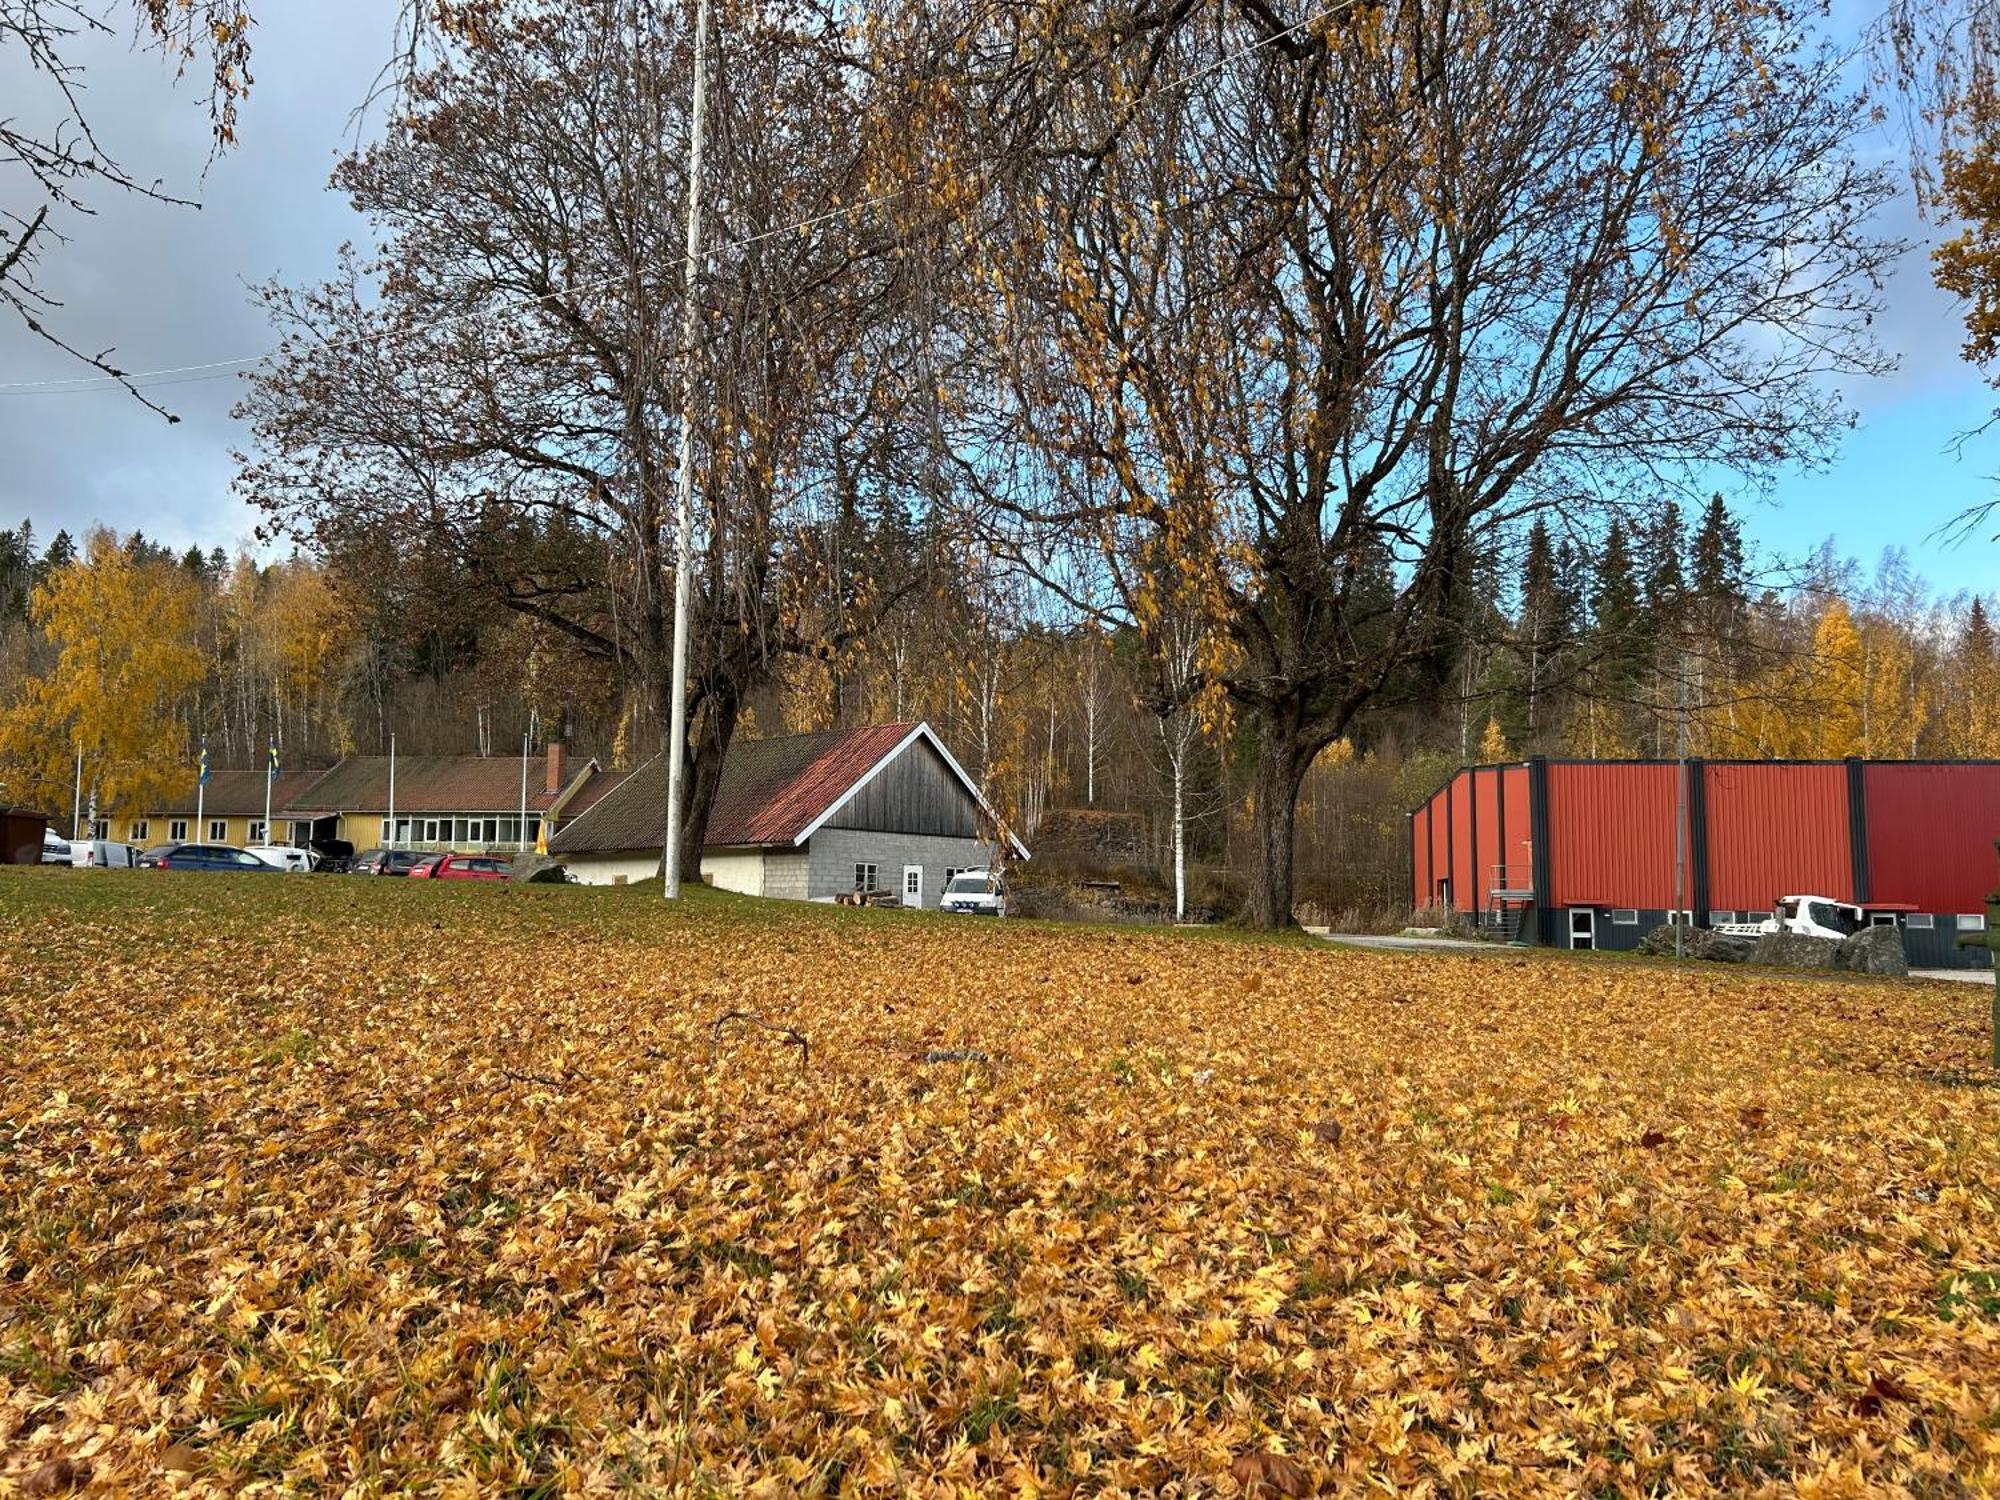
[558, 766]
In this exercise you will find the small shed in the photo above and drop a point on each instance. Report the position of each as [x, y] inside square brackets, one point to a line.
[882, 807]
[21, 830]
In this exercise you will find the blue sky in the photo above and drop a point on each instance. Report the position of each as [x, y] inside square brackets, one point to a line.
[170, 287]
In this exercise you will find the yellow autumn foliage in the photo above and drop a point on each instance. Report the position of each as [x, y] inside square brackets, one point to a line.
[378, 1187]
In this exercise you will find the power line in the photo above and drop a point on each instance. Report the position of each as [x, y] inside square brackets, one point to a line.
[222, 369]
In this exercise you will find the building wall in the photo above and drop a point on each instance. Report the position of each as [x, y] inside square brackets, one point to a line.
[740, 870]
[1611, 834]
[833, 853]
[154, 828]
[613, 869]
[1776, 830]
[1930, 834]
[787, 873]
[915, 793]
[1766, 829]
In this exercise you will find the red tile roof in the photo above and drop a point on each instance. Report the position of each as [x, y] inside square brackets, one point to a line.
[771, 791]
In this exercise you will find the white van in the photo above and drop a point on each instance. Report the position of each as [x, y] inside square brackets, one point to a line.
[101, 854]
[286, 858]
[55, 848]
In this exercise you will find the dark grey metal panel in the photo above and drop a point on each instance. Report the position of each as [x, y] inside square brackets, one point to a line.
[915, 793]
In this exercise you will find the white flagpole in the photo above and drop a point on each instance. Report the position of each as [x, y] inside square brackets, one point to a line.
[390, 838]
[270, 775]
[684, 500]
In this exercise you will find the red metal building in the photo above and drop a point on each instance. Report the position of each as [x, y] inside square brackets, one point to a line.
[1583, 853]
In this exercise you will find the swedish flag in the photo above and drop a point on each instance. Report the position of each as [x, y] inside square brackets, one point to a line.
[274, 760]
[202, 779]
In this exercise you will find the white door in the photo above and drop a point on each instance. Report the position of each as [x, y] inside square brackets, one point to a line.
[913, 885]
[1582, 927]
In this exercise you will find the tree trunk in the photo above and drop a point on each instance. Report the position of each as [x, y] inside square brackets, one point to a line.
[705, 754]
[1283, 753]
[1180, 838]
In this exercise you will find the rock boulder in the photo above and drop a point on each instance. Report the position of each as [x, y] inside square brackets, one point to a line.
[1873, 950]
[1794, 950]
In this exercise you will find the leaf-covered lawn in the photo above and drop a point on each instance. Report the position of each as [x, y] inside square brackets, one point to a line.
[366, 1186]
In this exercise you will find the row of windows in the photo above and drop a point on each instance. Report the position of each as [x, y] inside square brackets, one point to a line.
[139, 830]
[460, 832]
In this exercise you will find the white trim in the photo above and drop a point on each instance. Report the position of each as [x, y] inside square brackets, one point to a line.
[921, 731]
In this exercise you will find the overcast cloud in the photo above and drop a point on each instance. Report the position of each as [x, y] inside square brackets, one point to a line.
[169, 287]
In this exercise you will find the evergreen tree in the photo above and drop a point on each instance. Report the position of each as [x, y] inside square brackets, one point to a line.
[1617, 612]
[61, 553]
[1977, 645]
[1665, 583]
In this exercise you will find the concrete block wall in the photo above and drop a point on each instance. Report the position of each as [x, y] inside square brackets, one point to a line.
[834, 852]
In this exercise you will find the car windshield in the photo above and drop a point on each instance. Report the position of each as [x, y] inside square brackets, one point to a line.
[968, 885]
[1825, 914]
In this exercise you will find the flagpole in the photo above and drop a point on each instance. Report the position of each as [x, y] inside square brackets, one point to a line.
[270, 775]
[389, 833]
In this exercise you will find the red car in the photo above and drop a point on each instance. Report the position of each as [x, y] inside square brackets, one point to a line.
[462, 867]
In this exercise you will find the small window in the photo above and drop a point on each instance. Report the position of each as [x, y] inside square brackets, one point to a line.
[256, 833]
[177, 830]
[1972, 921]
[864, 878]
[139, 831]
[101, 829]
[1919, 921]
[218, 829]
[1719, 918]
[1625, 917]
[1882, 919]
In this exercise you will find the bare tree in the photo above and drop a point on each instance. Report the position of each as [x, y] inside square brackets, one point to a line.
[498, 392]
[1390, 281]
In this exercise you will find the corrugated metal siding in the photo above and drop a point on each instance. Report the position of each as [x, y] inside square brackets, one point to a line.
[1611, 835]
[1777, 830]
[1930, 834]
[1486, 808]
[1440, 836]
[1515, 853]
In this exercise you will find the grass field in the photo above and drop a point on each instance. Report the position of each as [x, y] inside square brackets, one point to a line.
[371, 1187]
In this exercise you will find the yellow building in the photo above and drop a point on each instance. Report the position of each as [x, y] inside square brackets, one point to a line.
[228, 810]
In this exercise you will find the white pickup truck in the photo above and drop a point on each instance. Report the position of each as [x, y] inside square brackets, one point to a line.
[1811, 916]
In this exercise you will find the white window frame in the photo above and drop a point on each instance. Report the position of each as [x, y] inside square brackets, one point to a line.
[259, 833]
[1881, 919]
[866, 881]
[138, 830]
[1627, 916]
[1920, 921]
[1971, 921]
[177, 830]
[101, 828]
[1720, 918]
[218, 830]
[1589, 938]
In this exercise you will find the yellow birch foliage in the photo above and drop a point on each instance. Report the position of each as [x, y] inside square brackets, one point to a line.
[127, 654]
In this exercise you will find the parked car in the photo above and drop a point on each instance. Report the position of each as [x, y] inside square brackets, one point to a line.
[212, 858]
[285, 857]
[102, 854]
[464, 867]
[55, 848]
[387, 862]
[331, 856]
[974, 893]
